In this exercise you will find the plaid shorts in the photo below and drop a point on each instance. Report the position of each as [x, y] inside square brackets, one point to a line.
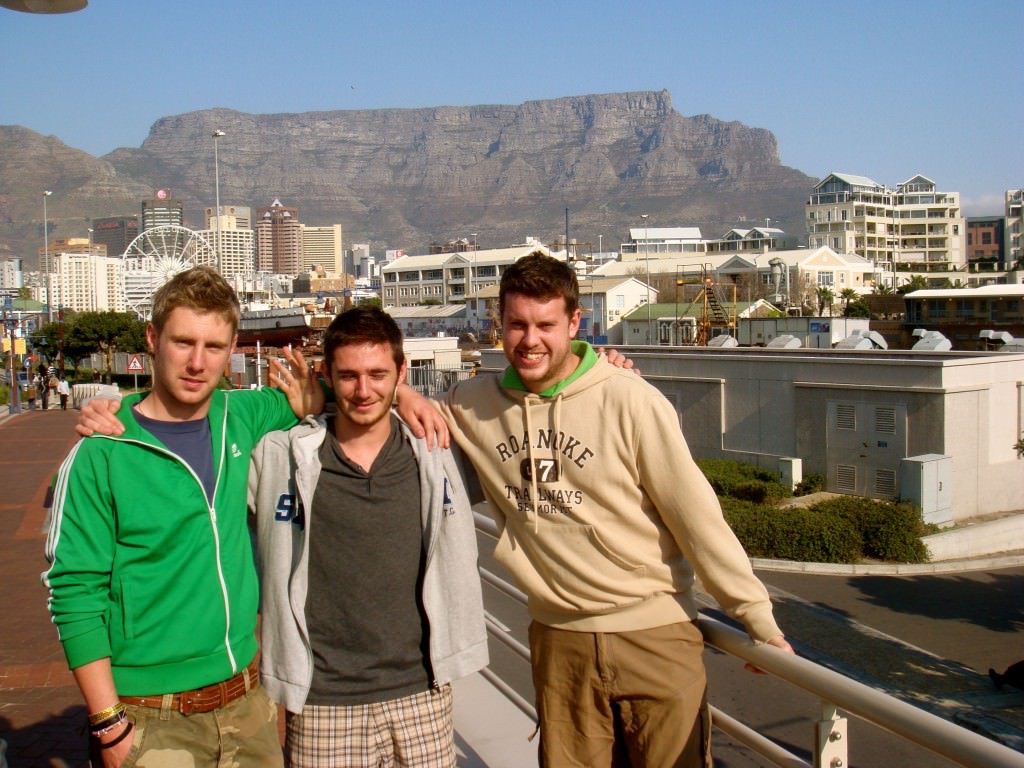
[412, 732]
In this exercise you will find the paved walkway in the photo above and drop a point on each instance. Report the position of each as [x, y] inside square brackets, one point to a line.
[41, 712]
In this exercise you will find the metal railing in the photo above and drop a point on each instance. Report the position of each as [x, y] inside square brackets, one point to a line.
[836, 692]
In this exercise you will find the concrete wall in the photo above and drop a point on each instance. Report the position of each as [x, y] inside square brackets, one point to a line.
[759, 405]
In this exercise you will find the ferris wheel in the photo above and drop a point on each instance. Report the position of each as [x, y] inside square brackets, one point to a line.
[155, 256]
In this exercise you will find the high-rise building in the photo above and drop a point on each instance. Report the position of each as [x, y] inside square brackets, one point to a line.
[86, 281]
[236, 248]
[358, 260]
[278, 239]
[321, 250]
[914, 225]
[12, 272]
[1013, 240]
[115, 232]
[161, 210]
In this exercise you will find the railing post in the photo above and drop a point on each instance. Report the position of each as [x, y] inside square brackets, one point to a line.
[831, 729]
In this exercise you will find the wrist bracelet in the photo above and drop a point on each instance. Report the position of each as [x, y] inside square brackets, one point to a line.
[118, 740]
[108, 725]
[98, 717]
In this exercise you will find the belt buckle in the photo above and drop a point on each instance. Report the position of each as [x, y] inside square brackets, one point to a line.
[185, 706]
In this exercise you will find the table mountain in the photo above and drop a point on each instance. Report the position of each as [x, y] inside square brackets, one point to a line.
[404, 178]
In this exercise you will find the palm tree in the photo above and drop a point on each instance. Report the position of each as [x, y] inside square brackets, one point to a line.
[884, 289]
[825, 299]
[915, 283]
[848, 295]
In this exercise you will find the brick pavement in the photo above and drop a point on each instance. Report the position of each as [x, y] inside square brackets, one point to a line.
[41, 711]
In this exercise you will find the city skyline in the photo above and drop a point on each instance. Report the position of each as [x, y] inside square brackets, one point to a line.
[889, 92]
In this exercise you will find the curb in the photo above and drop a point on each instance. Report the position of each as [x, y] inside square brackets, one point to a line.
[890, 569]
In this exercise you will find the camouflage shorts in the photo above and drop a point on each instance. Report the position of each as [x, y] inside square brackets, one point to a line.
[243, 733]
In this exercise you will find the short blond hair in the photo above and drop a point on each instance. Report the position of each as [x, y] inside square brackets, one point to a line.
[200, 288]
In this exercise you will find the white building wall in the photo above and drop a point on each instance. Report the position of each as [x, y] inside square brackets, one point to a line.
[759, 405]
[321, 247]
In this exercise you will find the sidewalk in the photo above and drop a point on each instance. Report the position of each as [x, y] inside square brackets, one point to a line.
[41, 711]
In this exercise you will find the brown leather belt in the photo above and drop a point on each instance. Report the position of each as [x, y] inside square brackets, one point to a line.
[203, 699]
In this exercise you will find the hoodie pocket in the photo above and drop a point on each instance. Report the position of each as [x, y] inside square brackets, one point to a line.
[570, 567]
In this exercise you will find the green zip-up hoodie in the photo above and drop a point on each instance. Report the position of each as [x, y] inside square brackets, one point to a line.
[143, 568]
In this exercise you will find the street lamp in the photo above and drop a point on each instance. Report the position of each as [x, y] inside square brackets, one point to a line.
[46, 255]
[647, 262]
[216, 181]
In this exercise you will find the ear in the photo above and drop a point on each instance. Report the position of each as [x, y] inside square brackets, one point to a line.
[402, 371]
[151, 337]
[325, 371]
[574, 323]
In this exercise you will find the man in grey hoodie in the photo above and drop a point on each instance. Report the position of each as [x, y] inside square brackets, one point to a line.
[367, 557]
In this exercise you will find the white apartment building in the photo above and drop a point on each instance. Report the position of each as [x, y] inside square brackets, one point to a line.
[1013, 238]
[322, 251]
[444, 278]
[913, 225]
[233, 239]
[11, 272]
[86, 282]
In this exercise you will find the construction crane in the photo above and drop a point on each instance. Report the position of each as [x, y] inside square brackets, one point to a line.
[717, 310]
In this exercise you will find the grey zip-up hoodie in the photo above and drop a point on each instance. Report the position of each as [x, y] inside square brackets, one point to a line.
[282, 480]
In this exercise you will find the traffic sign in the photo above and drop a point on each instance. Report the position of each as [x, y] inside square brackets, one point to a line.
[135, 365]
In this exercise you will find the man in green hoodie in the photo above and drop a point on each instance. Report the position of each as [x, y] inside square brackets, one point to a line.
[605, 519]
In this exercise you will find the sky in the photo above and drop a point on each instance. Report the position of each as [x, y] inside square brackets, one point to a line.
[884, 89]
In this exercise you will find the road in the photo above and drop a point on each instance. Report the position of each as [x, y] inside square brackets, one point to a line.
[973, 618]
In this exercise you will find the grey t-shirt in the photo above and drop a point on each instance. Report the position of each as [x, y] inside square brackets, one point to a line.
[364, 608]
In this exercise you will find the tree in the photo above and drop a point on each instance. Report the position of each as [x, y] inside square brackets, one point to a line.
[858, 308]
[104, 332]
[915, 283]
[883, 289]
[848, 295]
[825, 299]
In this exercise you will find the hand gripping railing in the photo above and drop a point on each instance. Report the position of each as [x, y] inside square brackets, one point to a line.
[835, 691]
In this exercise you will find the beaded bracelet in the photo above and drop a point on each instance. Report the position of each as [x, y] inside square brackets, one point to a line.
[98, 717]
[108, 725]
[118, 740]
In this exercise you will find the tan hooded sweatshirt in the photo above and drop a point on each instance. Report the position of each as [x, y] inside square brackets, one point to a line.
[604, 515]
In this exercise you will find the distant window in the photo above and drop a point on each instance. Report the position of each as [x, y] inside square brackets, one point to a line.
[826, 279]
[986, 238]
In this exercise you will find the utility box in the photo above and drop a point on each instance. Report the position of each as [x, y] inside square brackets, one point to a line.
[792, 471]
[927, 481]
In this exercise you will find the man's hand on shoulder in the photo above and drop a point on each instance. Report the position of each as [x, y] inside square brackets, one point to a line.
[618, 359]
[99, 416]
[422, 416]
[298, 382]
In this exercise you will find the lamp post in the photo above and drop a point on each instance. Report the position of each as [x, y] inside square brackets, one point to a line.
[647, 262]
[216, 182]
[49, 264]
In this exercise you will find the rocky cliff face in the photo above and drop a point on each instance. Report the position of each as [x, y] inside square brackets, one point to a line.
[408, 177]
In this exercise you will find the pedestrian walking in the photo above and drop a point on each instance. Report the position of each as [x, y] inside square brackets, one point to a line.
[63, 390]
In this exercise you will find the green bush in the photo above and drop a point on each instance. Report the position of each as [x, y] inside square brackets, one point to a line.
[890, 531]
[792, 533]
[743, 481]
[810, 484]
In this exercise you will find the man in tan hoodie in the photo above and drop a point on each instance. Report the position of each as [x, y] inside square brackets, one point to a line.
[605, 519]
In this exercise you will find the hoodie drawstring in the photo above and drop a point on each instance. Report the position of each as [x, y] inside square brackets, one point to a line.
[556, 421]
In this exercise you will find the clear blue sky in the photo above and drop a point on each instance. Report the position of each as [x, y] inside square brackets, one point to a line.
[885, 89]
